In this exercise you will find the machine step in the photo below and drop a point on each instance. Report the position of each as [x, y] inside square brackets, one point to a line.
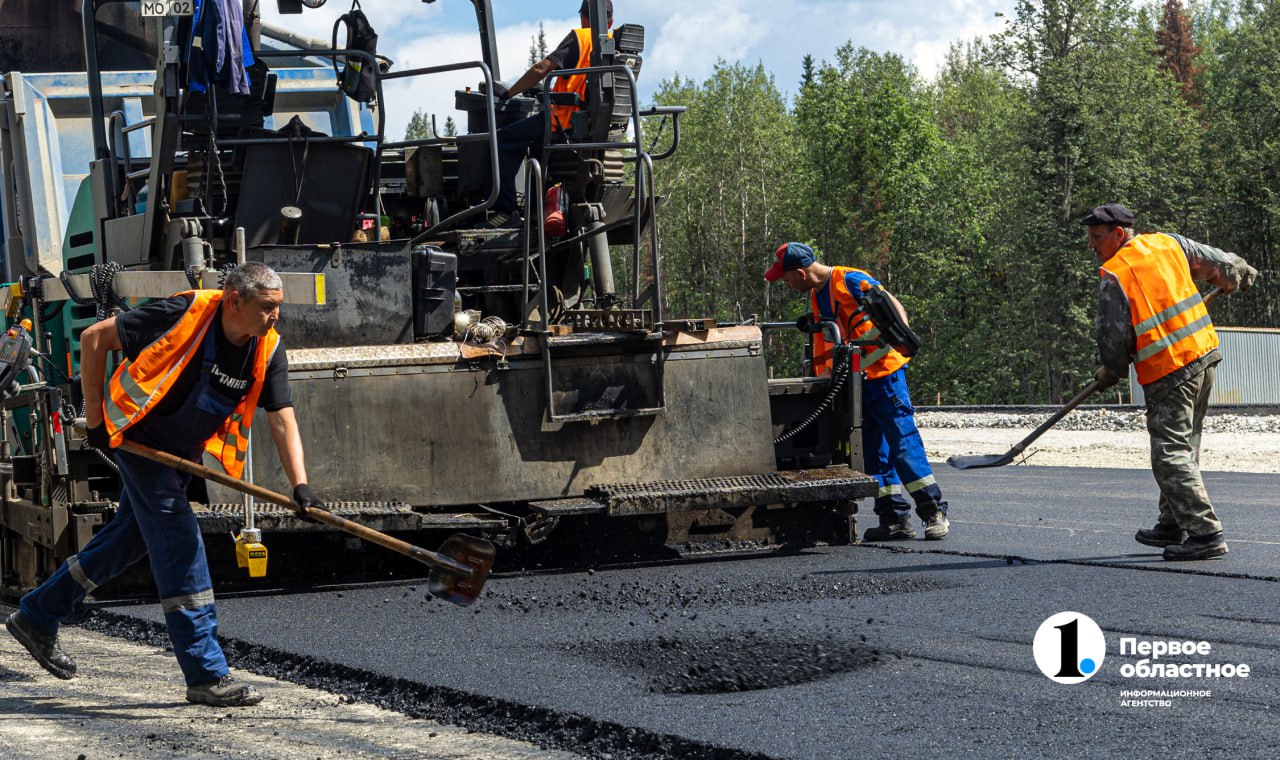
[789, 487]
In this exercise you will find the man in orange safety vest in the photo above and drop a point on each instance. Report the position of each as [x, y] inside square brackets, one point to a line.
[1151, 314]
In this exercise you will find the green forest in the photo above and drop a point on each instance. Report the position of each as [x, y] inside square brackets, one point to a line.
[963, 191]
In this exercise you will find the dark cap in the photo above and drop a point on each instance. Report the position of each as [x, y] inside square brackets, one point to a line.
[1111, 213]
[583, 11]
[790, 256]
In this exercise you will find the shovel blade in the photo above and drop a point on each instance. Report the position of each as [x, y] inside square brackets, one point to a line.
[475, 553]
[974, 461]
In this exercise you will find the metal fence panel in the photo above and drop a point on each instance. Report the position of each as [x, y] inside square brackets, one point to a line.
[1249, 372]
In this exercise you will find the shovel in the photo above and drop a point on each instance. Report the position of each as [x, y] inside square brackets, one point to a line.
[974, 461]
[458, 570]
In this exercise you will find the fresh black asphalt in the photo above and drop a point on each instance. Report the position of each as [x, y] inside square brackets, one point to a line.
[915, 649]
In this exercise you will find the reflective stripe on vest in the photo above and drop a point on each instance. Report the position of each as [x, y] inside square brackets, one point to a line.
[138, 386]
[231, 445]
[877, 361]
[573, 83]
[1169, 318]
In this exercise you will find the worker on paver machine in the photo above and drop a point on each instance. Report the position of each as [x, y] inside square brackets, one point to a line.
[520, 137]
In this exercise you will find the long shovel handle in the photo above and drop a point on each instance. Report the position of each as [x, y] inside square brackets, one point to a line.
[1058, 415]
[320, 515]
[968, 462]
[1078, 399]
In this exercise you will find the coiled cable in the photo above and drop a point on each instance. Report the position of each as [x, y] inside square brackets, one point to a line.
[837, 382]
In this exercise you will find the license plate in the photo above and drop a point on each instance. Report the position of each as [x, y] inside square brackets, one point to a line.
[168, 7]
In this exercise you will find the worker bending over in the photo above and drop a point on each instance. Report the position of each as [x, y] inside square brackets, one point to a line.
[892, 449]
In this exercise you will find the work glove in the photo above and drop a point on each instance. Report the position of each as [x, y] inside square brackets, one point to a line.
[1105, 378]
[303, 496]
[98, 437]
[500, 90]
[1247, 277]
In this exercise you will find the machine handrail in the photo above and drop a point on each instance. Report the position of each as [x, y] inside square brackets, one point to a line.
[674, 112]
[490, 136]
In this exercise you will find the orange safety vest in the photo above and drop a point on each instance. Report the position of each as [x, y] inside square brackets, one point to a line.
[1169, 317]
[561, 115]
[137, 386]
[876, 361]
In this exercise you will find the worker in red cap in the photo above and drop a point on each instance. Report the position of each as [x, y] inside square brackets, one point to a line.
[892, 450]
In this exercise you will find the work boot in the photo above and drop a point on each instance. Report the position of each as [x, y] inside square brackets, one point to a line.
[504, 220]
[1160, 536]
[224, 692]
[42, 646]
[1197, 547]
[896, 531]
[937, 527]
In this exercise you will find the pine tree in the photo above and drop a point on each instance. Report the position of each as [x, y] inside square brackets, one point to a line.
[450, 127]
[419, 127]
[538, 47]
[1176, 47]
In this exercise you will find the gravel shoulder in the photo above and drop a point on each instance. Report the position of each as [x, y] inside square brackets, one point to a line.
[128, 702]
[1099, 438]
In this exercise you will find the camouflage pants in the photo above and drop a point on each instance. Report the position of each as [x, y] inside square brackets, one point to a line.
[1175, 420]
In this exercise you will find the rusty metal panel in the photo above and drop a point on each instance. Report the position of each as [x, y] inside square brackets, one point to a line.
[1248, 371]
[1250, 362]
[467, 433]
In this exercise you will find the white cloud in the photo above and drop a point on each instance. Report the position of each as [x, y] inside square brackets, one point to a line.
[685, 38]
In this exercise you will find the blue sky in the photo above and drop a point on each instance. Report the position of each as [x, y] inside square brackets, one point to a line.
[685, 38]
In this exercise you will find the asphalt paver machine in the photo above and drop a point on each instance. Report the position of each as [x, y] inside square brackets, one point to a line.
[524, 385]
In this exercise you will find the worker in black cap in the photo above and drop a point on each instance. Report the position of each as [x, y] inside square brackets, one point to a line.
[518, 138]
[1151, 314]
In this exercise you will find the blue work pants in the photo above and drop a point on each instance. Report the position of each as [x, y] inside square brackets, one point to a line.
[154, 519]
[894, 454]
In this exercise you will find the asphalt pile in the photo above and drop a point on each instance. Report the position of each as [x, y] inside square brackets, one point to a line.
[543, 727]
[776, 653]
[1123, 419]
[663, 599]
[737, 662]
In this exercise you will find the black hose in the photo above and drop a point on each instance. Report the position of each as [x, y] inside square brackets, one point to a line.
[100, 279]
[65, 277]
[837, 382]
[53, 312]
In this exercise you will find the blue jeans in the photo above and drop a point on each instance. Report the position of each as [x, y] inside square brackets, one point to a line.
[893, 452]
[154, 519]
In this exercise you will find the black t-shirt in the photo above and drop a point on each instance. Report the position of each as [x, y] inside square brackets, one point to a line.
[566, 55]
[233, 368]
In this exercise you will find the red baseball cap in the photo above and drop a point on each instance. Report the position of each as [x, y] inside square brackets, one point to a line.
[790, 256]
